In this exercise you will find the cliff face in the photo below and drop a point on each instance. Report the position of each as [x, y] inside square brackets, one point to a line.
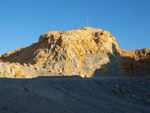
[135, 62]
[86, 51]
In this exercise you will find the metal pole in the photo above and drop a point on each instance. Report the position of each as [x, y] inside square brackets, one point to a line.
[87, 20]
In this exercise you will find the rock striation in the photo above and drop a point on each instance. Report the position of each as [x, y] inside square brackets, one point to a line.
[86, 52]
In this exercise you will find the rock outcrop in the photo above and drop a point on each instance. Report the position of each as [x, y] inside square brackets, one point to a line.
[86, 51]
[135, 62]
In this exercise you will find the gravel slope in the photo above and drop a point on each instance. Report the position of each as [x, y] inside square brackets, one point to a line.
[75, 95]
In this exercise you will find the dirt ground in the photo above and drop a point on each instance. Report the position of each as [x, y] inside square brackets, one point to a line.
[75, 95]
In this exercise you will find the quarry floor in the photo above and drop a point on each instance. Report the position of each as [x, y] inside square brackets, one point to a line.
[75, 95]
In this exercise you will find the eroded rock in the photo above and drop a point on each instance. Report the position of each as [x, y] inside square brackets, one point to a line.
[86, 51]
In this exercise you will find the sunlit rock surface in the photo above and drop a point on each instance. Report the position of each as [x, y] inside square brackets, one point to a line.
[86, 52]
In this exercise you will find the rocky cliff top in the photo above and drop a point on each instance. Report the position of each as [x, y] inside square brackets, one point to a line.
[86, 52]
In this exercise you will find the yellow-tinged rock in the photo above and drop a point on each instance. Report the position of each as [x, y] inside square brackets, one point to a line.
[86, 51]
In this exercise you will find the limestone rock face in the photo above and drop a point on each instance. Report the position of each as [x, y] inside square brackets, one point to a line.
[15, 70]
[135, 62]
[86, 52]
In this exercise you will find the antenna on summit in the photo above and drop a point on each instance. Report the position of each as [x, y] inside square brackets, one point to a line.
[87, 20]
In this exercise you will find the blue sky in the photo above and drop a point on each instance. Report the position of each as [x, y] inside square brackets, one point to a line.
[23, 21]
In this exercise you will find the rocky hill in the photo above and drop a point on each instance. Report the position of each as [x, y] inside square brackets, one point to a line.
[86, 52]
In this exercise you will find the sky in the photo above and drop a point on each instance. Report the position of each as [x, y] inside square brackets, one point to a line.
[23, 21]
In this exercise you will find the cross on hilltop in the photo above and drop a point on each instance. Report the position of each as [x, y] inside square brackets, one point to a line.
[87, 20]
